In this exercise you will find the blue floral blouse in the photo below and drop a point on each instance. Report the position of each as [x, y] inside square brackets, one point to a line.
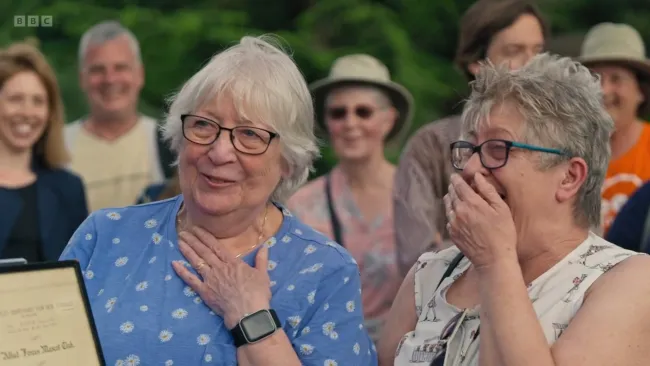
[146, 315]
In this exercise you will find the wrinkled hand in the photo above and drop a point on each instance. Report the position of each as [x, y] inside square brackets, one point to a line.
[480, 223]
[230, 287]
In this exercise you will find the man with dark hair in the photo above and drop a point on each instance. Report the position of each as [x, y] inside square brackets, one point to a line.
[501, 31]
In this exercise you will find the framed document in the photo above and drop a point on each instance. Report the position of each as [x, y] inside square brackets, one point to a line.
[45, 317]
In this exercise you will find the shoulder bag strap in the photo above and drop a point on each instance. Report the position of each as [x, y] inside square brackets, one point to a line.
[334, 220]
[452, 266]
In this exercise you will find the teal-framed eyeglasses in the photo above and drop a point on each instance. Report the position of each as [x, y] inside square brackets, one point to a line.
[493, 153]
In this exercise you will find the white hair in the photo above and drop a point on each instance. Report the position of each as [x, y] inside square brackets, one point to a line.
[265, 85]
[561, 103]
[104, 32]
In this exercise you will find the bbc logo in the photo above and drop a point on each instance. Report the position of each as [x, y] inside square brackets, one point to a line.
[33, 20]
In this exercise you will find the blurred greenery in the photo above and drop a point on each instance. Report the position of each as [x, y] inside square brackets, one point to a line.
[415, 38]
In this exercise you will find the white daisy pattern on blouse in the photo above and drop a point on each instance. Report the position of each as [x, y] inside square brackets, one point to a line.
[152, 317]
[179, 314]
[306, 349]
[203, 339]
[188, 291]
[165, 335]
[272, 265]
[328, 328]
[156, 238]
[314, 268]
[132, 360]
[294, 320]
[110, 304]
[113, 215]
[126, 327]
[349, 306]
[270, 243]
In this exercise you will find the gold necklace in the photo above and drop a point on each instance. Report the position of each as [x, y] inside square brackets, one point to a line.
[259, 238]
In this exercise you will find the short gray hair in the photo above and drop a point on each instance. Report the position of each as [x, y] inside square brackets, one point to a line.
[561, 102]
[265, 85]
[107, 31]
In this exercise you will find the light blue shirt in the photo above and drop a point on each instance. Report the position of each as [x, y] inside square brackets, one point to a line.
[146, 315]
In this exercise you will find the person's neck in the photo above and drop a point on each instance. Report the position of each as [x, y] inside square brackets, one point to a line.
[111, 127]
[625, 137]
[367, 173]
[551, 243]
[15, 167]
[238, 230]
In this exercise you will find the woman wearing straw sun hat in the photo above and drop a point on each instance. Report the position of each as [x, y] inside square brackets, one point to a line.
[617, 53]
[361, 110]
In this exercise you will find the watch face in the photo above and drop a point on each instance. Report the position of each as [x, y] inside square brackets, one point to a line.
[258, 326]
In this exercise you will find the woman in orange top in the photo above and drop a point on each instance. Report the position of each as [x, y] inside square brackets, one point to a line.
[617, 53]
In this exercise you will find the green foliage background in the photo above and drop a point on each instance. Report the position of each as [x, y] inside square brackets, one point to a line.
[415, 38]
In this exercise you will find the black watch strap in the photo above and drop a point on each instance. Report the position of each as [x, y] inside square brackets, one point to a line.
[238, 333]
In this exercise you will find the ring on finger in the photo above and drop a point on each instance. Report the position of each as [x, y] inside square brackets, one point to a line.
[200, 266]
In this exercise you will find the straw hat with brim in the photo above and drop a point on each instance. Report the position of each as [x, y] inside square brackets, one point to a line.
[364, 70]
[617, 44]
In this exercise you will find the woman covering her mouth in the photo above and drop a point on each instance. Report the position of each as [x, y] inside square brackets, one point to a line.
[527, 282]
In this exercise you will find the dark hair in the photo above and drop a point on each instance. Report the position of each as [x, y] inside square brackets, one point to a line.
[482, 21]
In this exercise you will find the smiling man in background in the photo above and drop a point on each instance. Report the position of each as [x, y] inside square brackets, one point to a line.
[114, 149]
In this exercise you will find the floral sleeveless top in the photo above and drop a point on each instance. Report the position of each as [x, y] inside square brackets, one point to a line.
[556, 296]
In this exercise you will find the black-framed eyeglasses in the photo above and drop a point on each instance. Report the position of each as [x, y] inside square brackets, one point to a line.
[493, 153]
[245, 139]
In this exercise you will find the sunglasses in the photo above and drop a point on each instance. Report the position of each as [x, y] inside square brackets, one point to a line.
[363, 112]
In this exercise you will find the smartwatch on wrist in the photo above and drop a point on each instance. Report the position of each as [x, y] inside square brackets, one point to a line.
[255, 327]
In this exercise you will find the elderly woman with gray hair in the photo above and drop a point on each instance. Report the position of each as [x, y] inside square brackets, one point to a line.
[223, 274]
[527, 282]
